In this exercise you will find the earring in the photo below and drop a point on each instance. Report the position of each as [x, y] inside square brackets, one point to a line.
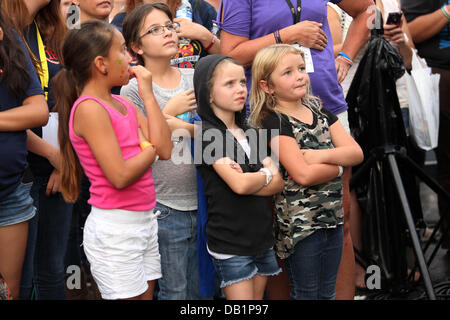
[105, 73]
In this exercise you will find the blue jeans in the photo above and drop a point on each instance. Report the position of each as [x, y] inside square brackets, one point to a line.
[314, 264]
[177, 238]
[48, 235]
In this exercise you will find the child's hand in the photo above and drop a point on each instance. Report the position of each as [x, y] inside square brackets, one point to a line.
[53, 185]
[144, 80]
[269, 164]
[191, 30]
[234, 165]
[181, 103]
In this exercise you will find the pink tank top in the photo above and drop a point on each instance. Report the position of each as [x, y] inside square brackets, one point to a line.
[139, 196]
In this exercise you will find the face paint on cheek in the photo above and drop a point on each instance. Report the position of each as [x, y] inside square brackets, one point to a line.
[122, 73]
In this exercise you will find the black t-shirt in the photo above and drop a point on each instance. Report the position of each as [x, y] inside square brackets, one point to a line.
[281, 123]
[435, 50]
[40, 166]
[237, 224]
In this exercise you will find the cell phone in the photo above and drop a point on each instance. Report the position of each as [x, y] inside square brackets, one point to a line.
[394, 18]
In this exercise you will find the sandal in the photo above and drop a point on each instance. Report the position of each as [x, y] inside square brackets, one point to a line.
[5, 294]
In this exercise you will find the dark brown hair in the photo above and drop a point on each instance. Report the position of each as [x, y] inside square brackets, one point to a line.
[12, 59]
[80, 48]
[48, 19]
[52, 26]
[134, 21]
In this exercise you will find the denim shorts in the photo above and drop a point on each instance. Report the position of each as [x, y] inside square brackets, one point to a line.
[17, 207]
[241, 268]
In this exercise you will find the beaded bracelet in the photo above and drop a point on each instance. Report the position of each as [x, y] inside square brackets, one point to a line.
[444, 11]
[345, 57]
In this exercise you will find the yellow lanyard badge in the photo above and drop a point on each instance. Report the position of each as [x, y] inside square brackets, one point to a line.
[44, 75]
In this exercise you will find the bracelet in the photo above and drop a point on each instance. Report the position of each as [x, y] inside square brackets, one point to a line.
[345, 57]
[268, 175]
[146, 144]
[277, 36]
[213, 40]
[341, 171]
[444, 11]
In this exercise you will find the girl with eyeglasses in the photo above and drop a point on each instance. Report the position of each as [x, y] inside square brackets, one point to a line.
[150, 33]
[200, 31]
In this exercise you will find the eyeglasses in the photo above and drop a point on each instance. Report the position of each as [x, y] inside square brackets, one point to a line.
[159, 30]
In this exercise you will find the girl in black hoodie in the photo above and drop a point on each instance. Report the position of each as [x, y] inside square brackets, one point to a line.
[239, 227]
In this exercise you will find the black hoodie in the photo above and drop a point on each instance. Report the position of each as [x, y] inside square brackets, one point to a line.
[237, 224]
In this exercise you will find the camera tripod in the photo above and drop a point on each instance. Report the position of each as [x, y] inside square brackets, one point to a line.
[389, 154]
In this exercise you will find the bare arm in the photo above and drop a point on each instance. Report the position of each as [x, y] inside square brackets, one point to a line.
[306, 33]
[92, 122]
[399, 36]
[33, 113]
[427, 26]
[275, 186]
[334, 21]
[290, 155]
[358, 32]
[156, 128]
[241, 183]
[346, 153]
[196, 31]
[179, 127]
[41, 147]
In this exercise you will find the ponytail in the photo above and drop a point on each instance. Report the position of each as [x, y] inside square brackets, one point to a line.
[81, 46]
[66, 94]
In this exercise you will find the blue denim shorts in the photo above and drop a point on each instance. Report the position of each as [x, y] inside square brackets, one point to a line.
[17, 207]
[241, 268]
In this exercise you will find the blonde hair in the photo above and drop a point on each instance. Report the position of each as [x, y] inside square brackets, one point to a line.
[265, 62]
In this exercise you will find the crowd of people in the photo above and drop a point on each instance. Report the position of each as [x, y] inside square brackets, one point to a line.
[190, 156]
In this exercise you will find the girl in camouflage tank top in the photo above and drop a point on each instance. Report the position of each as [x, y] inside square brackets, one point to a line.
[313, 148]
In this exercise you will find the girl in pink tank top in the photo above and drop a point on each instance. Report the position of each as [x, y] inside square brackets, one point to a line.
[103, 135]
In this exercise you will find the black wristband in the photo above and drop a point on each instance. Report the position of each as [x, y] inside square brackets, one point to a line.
[276, 34]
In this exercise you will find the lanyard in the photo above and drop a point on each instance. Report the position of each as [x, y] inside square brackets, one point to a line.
[296, 14]
[44, 74]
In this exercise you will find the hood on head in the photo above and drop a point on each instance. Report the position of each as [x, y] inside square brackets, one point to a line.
[203, 72]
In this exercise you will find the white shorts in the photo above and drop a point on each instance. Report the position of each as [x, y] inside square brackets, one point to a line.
[343, 119]
[122, 249]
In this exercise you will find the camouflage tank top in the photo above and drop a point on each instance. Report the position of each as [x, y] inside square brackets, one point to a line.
[300, 210]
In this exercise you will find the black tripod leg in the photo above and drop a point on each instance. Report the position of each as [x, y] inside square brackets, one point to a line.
[411, 226]
[419, 172]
